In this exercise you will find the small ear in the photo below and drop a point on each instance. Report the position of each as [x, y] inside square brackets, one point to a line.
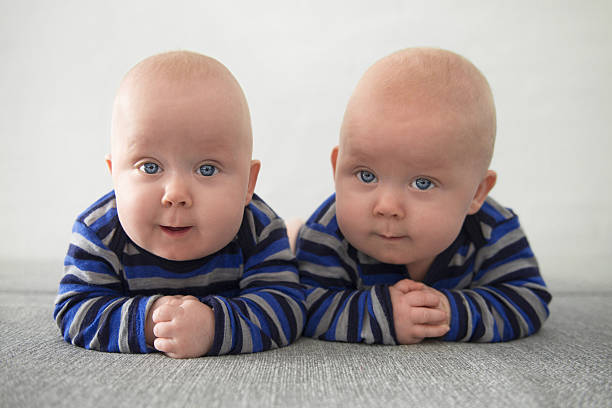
[334, 159]
[253, 173]
[109, 163]
[485, 186]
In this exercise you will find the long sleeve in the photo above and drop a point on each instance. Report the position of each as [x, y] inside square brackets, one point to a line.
[505, 297]
[340, 307]
[91, 308]
[269, 311]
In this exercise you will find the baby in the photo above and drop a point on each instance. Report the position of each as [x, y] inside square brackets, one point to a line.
[181, 257]
[411, 246]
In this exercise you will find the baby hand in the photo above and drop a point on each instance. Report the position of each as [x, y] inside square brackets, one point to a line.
[418, 311]
[183, 326]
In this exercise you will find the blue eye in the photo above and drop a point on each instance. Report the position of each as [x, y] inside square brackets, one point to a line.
[150, 168]
[366, 176]
[208, 170]
[422, 184]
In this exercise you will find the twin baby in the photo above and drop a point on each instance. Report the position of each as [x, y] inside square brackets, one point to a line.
[184, 258]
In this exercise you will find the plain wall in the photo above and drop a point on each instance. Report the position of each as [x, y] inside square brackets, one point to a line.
[548, 62]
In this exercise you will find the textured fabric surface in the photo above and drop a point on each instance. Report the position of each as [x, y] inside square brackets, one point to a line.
[568, 363]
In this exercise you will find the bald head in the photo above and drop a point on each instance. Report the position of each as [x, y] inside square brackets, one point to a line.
[430, 81]
[152, 77]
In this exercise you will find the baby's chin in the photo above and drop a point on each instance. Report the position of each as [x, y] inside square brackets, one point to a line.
[388, 257]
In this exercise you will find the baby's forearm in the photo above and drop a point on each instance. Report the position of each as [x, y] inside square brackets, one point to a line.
[350, 315]
[492, 314]
[103, 323]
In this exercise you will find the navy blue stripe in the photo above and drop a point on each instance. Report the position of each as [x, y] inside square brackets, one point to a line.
[353, 334]
[238, 335]
[506, 253]
[98, 204]
[322, 210]
[520, 302]
[133, 333]
[326, 282]
[543, 294]
[70, 279]
[382, 292]
[215, 349]
[461, 315]
[317, 304]
[80, 254]
[291, 318]
[479, 329]
[328, 335]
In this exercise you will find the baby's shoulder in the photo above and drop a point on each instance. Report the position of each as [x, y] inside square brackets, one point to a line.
[492, 219]
[101, 215]
[495, 212]
[324, 217]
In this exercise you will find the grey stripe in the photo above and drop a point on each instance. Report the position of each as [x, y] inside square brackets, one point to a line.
[284, 255]
[124, 345]
[505, 269]
[507, 214]
[366, 329]
[273, 277]
[366, 259]
[460, 260]
[226, 344]
[534, 301]
[523, 327]
[90, 277]
[329, 215]
[341, 247]
[488, 252]
[500, 322]
[60, 298]
[468, 313]
[298, 315]
[314, 296]
[99, 213]
[247, 340]
[327, 317]
[94, 344]
[130, 249]
[342, 321]
[274, 225]
[486, 230]
[251, 222]
[75, 325]
[89, 247]
[109, 237]
[465, 282]
[264, 208]
[218, 275]
[336, 272]
[485, 316]
[381, 318]
[252, 316]
[271, 313]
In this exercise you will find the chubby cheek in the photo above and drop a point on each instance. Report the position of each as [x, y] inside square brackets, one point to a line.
[437, 231]
[351, 214]
[136, 208]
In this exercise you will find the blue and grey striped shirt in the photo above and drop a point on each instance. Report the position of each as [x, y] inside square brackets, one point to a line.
[110, 283]
[489, 274]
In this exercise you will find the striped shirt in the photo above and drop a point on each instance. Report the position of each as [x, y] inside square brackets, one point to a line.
[110, 283]
[489, 274]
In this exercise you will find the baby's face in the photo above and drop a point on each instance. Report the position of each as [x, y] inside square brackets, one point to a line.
[181, 167]
[403, 183]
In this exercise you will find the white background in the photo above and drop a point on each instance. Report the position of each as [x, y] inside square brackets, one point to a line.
[549, 64]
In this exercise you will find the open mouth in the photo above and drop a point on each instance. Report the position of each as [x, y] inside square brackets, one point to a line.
[174, 230]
